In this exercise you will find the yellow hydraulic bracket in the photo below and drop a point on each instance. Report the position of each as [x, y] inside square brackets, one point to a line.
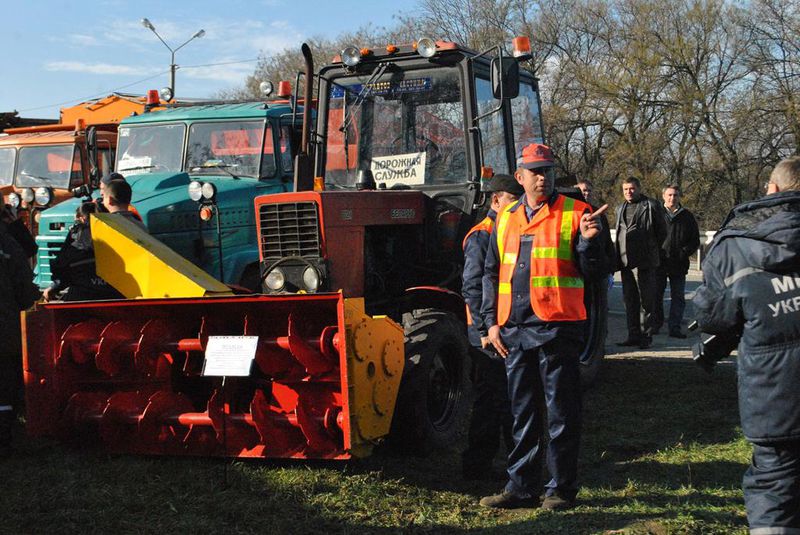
[138, 265]
[375, 359]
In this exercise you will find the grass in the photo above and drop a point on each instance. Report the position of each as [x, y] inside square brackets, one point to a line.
[662, 453]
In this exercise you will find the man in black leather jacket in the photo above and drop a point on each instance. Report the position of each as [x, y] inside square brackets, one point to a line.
[751, 290]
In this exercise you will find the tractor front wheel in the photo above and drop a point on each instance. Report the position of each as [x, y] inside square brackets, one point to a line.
[432, 405]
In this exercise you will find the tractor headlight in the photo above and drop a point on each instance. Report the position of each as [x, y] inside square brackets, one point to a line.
[275, 280]
[195, 190]
[426, 47]
[311, 279]
[351, 56]
[208, 190]
[14, 199]
[43, 196]
[27, 195]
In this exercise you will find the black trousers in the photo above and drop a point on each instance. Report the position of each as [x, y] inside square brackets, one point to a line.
[491, 412]
[639, 292]
[771, 488]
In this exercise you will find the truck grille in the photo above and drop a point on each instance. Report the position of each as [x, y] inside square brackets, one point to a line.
[289, 229]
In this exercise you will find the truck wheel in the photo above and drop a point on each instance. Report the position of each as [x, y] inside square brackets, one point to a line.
[597, 330]
[432, 404]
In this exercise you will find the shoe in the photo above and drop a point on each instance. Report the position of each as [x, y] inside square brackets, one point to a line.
[645, 342]
[630, 342]
[506, 500]
[555, 502]
[677, 334]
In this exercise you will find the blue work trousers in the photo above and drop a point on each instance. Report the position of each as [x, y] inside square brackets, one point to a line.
[677, 298]
[771, 488]
[544, 390]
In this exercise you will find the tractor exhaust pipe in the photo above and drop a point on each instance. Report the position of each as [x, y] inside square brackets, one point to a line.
[303, 164]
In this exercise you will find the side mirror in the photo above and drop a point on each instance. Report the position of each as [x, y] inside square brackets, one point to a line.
[91, 154]
[505, 78]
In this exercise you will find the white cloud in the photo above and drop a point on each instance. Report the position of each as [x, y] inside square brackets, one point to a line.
[82, 40]
[94, 68]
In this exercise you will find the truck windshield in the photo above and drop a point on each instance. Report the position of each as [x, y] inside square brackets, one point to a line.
[52, 166]
[7, 157]
[236, 148]
[150, 149]
[407, 127]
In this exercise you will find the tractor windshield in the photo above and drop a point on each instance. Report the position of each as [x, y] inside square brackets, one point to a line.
[7, 157]
[407, 127]
[150, 149]
[234, 148]
[52, 166]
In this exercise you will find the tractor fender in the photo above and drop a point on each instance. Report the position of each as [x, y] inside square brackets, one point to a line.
[434, 297]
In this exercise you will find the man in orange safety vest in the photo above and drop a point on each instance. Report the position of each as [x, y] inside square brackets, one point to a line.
[541, 249]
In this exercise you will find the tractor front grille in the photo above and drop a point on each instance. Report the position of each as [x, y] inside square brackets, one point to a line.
[289, 229]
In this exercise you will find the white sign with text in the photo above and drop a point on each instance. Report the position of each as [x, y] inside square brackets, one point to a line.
[406, 169]
[230, 356]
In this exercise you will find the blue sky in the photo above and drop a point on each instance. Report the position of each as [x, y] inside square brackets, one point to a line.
[59, 53]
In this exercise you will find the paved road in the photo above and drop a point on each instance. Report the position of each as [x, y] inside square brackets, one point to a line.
[663, 346]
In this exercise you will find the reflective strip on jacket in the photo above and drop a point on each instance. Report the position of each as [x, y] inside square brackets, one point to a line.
[556, 284]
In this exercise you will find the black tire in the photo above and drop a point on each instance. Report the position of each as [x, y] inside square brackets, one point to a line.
[597, 329]
[433, 402]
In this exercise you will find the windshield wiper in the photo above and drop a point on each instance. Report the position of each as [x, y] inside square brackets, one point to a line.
[37, 177]
[222, 166]
[137, 168]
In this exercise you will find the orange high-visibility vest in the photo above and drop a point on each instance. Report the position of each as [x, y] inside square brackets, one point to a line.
[556, 285]
[487, 224]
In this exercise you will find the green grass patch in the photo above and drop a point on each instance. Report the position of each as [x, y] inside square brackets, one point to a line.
[662, 453]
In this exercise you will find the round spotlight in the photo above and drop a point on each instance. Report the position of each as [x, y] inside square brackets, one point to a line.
[311, 279]
[266, 88]
[28, 195]
[14, 199]
[426, 47]
[166, 94]
[208, 190]
[275, 280]
[195, 190]
[351, 56]
[43, 196]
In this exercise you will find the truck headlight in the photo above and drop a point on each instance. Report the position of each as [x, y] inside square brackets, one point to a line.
[426, 47]
[28, 195]
[195, 190]
[351, 56]
[14, 199]
[311, 279]
[208, 190]
[275, 280]
[43, 196]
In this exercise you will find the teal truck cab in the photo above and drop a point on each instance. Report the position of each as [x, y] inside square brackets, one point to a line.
[237, 151]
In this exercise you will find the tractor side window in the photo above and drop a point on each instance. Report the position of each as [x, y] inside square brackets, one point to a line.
[285, 145]
[7, 157]
[493, 128]
[526, 117]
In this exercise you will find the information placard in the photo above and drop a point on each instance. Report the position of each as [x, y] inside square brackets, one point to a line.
[229, 356]
[408, 169]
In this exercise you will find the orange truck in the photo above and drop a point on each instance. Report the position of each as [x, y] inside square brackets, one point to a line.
[41, 165]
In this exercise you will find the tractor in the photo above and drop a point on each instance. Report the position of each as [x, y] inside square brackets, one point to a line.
[359, 328]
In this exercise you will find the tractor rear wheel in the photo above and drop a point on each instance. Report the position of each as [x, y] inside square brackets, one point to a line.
[432, 405]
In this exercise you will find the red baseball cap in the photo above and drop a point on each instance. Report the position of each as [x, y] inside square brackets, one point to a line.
[535, 156]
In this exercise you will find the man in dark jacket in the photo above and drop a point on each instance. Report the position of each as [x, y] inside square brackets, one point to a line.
[683, 239]
[751, 291]
[491, 413]
[17, 293]
[640, 233]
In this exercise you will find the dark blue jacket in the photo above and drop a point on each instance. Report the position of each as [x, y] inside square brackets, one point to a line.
[475, 248]
[752, 289]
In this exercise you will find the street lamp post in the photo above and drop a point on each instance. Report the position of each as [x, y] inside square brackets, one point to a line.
[172, 67]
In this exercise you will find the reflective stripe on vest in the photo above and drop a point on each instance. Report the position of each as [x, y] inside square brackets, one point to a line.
[486, 224]
[556, 285]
